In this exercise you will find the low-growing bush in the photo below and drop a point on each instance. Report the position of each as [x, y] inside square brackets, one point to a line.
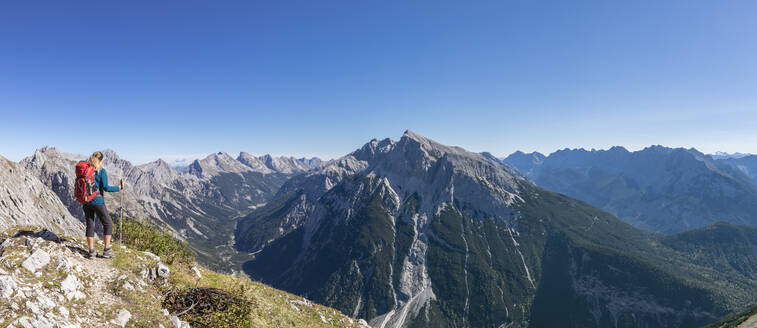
[148, 237]
[209, 307]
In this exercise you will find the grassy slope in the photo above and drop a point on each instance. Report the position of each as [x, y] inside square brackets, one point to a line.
[270, 307]
[734, 320]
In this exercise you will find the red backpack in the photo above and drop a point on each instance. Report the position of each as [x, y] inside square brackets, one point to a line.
[85, 189]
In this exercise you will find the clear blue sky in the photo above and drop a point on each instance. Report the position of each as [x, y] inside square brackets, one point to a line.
[320, 78]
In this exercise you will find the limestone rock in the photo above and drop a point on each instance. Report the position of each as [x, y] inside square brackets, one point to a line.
[36, 261]
[122, 318]
[7, 286]
[163, 270]
[70, 287]
[152, 256]
[178, 323]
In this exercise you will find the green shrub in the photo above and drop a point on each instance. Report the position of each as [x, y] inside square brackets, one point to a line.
[735, 320]
[148, 237]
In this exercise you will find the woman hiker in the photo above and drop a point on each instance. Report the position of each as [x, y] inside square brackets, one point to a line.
[97, 205]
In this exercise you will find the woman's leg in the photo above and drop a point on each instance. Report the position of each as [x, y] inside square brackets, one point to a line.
[89, 215]
[102, 214]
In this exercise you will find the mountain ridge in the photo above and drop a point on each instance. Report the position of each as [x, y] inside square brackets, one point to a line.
[657, 188]
[199, 205]
[404, 234]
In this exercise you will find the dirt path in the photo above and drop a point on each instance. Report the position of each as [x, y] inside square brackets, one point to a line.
[99, 298]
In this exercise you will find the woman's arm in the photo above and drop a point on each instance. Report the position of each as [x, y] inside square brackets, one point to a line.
[104, 182]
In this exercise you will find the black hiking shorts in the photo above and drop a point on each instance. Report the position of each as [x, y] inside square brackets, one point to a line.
[102, 214]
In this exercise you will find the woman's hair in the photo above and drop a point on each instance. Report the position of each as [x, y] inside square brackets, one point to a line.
[96, 160]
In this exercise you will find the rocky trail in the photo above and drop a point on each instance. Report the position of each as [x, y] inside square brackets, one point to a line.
[47, 282]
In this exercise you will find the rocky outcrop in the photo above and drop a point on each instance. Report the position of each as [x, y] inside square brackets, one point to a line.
[289, 165]
[55, 286]
[64, 289]
[198, 206]
[25, 200]
[215, 164]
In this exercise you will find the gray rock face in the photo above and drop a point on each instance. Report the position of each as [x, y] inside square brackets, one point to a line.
[215, 164]
[144, 185]
[198, 206]
[25, 200]
[254, 163]
[36, 261]
[289, 165]
[7, 286]
[412, 233]
[394, 172]
[407, 163]
[70, 288]
[223, 163]
[55, 170]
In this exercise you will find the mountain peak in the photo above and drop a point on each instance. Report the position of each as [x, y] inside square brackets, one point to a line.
[412, 135]
[47, 149]
[53, 152]
[725, 155]
[288, 165]
[219, 154]
[618, 149]
[161, 162]
[159, 168]
[430, 148]
[215, 164]
[110, 154]
[253, 162]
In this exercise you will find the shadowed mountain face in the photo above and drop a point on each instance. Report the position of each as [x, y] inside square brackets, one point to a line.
[199, 206]
[412, 233]
[745, 164]
[657, 189]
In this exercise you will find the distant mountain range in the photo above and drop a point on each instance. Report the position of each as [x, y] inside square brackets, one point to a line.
[746, 164]
[412, 233]
[659, 189]
[199, 205]
[723, 155]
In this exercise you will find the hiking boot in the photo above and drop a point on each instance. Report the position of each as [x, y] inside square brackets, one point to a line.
[90, 254]
[108, 253]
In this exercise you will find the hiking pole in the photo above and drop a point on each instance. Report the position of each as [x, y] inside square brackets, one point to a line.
[121, 221]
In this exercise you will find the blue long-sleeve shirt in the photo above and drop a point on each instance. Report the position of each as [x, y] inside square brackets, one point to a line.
[101, 180]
